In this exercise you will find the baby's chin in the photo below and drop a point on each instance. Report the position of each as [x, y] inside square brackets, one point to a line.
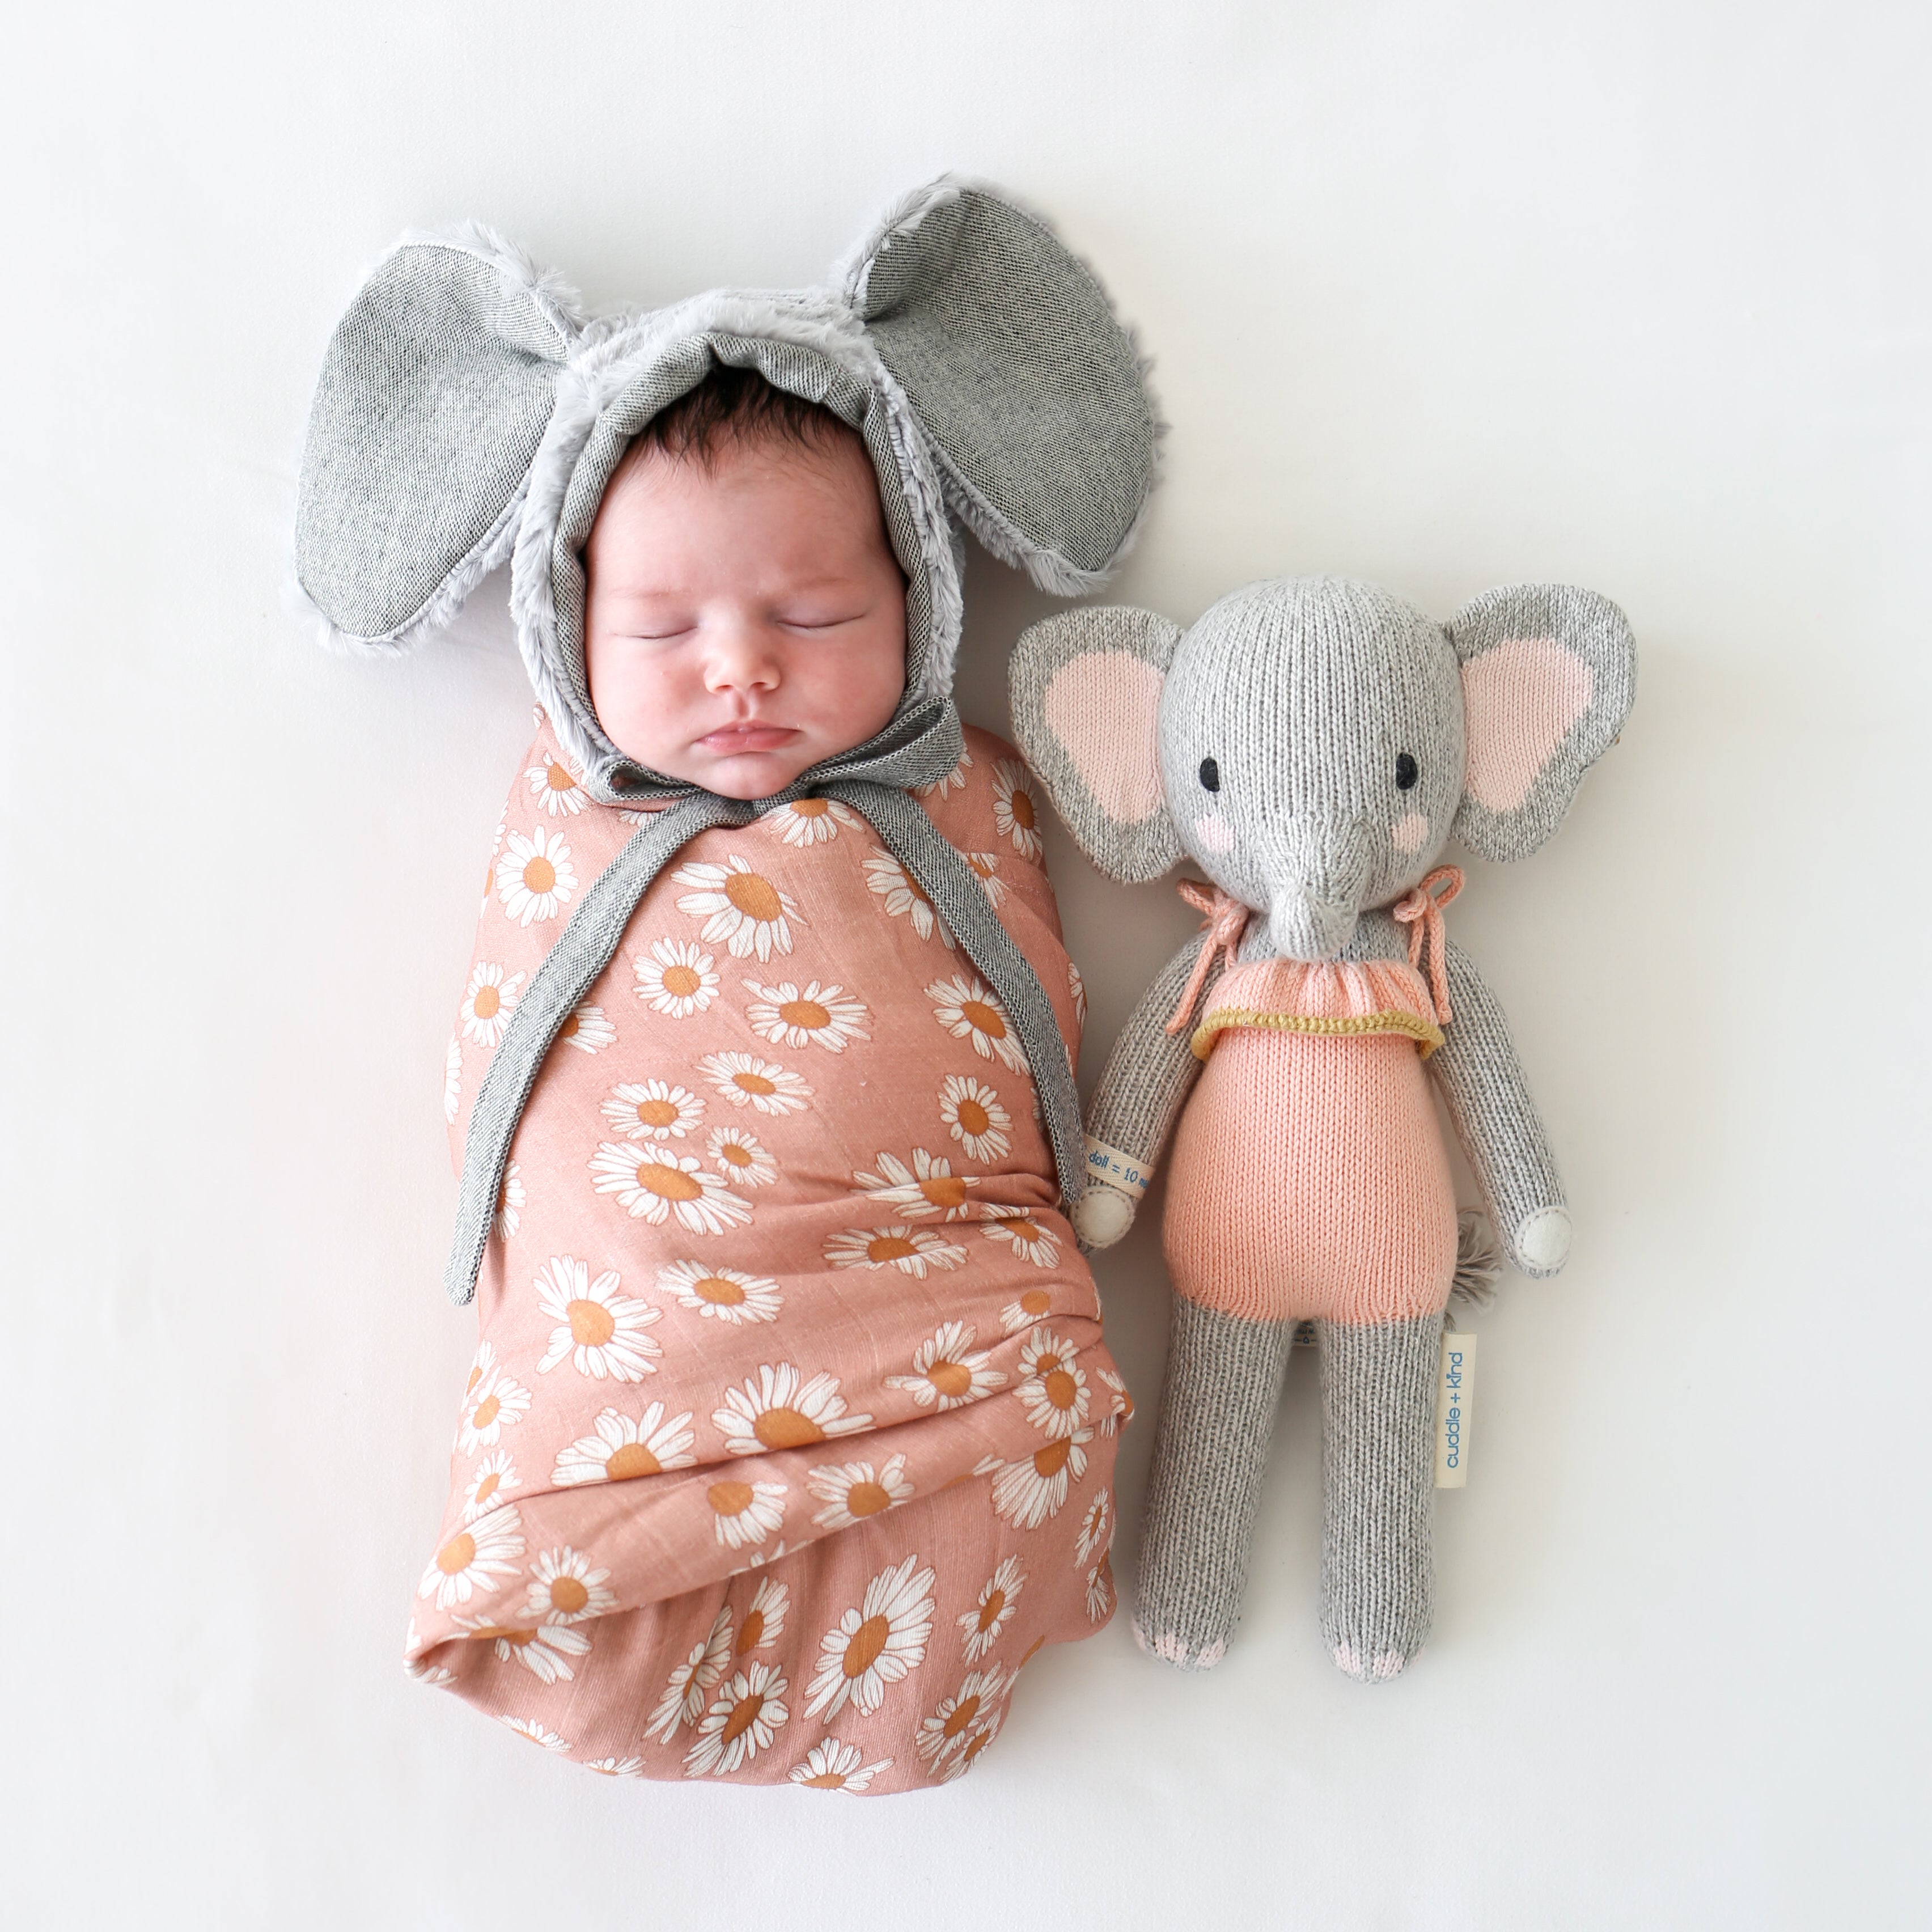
[745, 774]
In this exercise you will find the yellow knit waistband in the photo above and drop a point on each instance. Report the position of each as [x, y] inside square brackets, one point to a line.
[1427, 1036]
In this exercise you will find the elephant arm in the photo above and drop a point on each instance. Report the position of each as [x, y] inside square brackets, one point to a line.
[1497, 1123]
[1144, 1086]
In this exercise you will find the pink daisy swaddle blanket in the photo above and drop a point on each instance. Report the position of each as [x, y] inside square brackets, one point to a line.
[789, 1438]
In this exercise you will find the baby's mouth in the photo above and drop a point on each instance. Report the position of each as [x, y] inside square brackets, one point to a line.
[733, 739]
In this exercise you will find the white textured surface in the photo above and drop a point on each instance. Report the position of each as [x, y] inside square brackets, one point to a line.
[1632, 295]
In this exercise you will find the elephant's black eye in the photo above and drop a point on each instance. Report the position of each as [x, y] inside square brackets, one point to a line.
[1406, 771]
[1210, 776]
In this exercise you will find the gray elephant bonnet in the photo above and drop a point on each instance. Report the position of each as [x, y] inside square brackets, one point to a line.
[1312, 744]
[468, 412]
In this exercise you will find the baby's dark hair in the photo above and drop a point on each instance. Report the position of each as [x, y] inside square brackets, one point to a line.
[733, 404]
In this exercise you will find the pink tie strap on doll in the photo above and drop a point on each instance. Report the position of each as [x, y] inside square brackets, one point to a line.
[1227, 920]
[1421, 912]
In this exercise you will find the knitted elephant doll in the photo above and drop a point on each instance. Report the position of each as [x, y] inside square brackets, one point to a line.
[1311, 744]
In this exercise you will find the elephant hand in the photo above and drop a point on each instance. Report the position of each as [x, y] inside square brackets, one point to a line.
[1104, 1214]
[1539, 1244]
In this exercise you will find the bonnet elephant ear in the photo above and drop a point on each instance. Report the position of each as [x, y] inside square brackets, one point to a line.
[1028, 387]
[1549, 674]
[436, 389]
[1086, 696]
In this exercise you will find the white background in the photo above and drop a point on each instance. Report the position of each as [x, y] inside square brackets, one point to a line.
[1631, 295]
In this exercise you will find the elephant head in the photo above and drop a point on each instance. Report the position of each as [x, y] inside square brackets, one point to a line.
[1312, 743]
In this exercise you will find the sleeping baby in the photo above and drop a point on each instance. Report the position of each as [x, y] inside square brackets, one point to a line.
[789, 1437]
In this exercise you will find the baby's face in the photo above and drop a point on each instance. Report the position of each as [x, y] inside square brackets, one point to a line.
[745, 619]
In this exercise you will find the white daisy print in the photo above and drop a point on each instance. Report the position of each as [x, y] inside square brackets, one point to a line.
[945, 1733]
[510, 1201]
[528, 1727]
[764, 1617]
[601, 1331]
[929, 1187]
[810, 821]
[1100, 1590]
[911, 1250]
[544, 1653]
[740, 1158]
[982, 1736]
[1121, 1411]
[586, 1027]
[433, 1674]
[746, 1081]
[972, 1114]
[496, 1402]
[676, 977]
[565, 1589]
[1029, 1492]
[477, 1558]
[452, 1080]
[1054, 1389]
[741, 906]
[689, 1689]
[833, 1766]
[815, 1015]
[653, 1183]
[620, 1447]
[616, 1767]
[872, 1647]
[556, 788]
[1023, 1234]
[744, 1513]
[723, 1294]
[488, 1001]
[970, 1010]
[954, 780]
[535, 878]
[1014, 817]
[980, 1627]
[1077, 987]
[986, 869]
[904, 897]
[1033, 1304]
[653, 1110]
[1097, 1529]
[853, 1491]
[948, 1372]
[781, 1408]
[747, 1713]
[489, 1482]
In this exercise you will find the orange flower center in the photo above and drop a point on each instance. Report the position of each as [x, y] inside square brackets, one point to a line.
[889, 1248]
[786, 1428]
[962, 1713]
[732, 1155]
[1021, 1229]
[950, 1379]
[974, 1118]
[487, 1411]
[944, 1190]
[633, 1459]
[729, 1499]
[569, 1029]
[812, 807]
[458, 1553]
[867, 1641]
[807, 1014]
[592, 1325]
[989, 1611]
[752, 1634]
[719, 1292]
[867, 1499]
[1051, 1460]
[539, 875]
[754, 1083]
[1061, 1389]
[682, 981]
[560, 780]
[568, 1594]
[1022, 808]
[495, 1632]
[657, 1113]
[488, 1486]
[668, 1183]
[744, 1715]
[1035, 1301]
[982, 1019]
[756, 898]
[488, 1003]
[826, 1780]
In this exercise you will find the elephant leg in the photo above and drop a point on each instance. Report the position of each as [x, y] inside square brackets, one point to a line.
[1377, 1472]
[1224, 1377]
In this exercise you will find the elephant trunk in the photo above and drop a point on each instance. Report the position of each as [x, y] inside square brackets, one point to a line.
[1319, 889]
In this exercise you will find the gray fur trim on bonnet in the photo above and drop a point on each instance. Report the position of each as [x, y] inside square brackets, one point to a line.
[467, 412]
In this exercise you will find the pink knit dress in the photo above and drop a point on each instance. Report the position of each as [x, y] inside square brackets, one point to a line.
[790, 1435]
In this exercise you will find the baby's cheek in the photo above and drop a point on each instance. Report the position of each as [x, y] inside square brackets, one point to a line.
[1410, 833]
[1212, 833]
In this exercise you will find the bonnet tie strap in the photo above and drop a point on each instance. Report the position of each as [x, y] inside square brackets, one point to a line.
[591, 936]
[1421, 912]
[1227, 919]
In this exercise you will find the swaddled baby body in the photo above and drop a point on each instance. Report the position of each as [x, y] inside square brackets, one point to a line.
[790, 1435]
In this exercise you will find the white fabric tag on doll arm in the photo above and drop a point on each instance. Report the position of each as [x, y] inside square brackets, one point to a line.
[1107, 1167]
[1455, 1385]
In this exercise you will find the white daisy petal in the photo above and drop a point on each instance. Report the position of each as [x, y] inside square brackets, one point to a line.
[653, 1110]
[853, 1491]
[981, 1626]
[544, 1650]
[655, 1184]
[1015, 815]
[535, 878]
[815, 1015]
[722, 1294]
[601, 1331]
[1054, 1388]
[746, 1080]
[739, 906]
[744, 1513]
[1029, 1492]
[556, 788]
[477, 1558]
[969, 1009]
[741, 1158]
[1023, 1233]
[675, 977]
[565, 1588]
[974, 1116]
[488, 1001]
[947, 1373]
[928, 1187]
[903, 896]
[688, 1690]
[781, 1408]
[620, 1447]
[833, 1766]
[875, 1645]
[810, 821]
[747, 1713]
[911, 1250]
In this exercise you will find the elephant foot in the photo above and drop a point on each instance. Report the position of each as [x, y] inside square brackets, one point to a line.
[1371, 1666]
[1170, 1648]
